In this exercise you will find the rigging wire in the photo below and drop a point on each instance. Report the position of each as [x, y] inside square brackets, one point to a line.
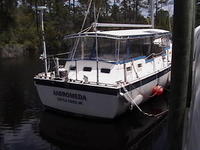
[83, 24]
[87, 12]
[66, 53]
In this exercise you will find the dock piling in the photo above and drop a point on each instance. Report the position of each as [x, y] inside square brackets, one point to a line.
[181, 67]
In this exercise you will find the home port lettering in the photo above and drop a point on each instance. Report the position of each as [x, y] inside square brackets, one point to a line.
[68, 97]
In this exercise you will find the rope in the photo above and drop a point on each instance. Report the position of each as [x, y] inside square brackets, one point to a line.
[98, 14]
[85, 30]
[134, 69]
[152, 54]
[168, 90]
[155, 54]
[87, 12]
[140, 83]
[77, 42]
[143, 112]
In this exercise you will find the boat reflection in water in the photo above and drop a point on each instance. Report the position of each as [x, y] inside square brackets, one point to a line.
[131, 131]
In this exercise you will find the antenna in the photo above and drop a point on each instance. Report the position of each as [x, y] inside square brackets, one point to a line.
[44, 56]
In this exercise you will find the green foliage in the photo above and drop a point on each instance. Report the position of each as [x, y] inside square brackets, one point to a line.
[23, 32]
[163, 20]
[115, 13]
[20, 24]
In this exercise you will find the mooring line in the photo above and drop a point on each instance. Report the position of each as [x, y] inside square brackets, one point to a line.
[137, 106]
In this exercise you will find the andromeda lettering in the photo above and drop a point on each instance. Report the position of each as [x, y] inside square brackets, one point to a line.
[70, 95]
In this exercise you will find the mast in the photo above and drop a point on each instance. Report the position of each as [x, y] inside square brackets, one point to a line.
[41, 9]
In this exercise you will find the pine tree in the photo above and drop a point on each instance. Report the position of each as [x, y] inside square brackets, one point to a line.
[7, 8]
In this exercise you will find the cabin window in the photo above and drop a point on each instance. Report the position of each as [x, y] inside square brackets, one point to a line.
[72, 68]
[133, 48]
[87, 69]
[128, 69]
[105, 70]
[86, 48]
[107, 49]
[118, 49]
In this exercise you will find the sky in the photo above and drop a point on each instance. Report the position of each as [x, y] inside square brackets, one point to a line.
[169, 7]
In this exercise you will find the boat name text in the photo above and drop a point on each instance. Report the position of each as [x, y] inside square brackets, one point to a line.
[70, 95]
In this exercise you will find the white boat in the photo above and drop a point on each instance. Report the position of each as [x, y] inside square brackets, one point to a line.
[128, 63]
[107, 71]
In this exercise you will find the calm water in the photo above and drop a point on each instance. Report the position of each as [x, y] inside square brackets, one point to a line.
[24, 125]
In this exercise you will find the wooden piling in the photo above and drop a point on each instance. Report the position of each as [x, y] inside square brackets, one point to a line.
[181, 60]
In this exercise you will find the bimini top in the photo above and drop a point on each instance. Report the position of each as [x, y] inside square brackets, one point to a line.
[122, 34]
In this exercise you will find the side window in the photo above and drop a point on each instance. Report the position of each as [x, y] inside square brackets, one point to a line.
[128, 69]
[88, 69]
[72, 68]
[105, 70]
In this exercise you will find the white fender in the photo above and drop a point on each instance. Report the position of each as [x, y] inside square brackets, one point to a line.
[137, 100]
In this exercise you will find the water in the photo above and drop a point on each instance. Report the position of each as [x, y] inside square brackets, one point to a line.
[24, 125]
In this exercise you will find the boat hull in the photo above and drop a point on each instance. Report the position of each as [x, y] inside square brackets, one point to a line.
[80, 102]
[95, 101]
